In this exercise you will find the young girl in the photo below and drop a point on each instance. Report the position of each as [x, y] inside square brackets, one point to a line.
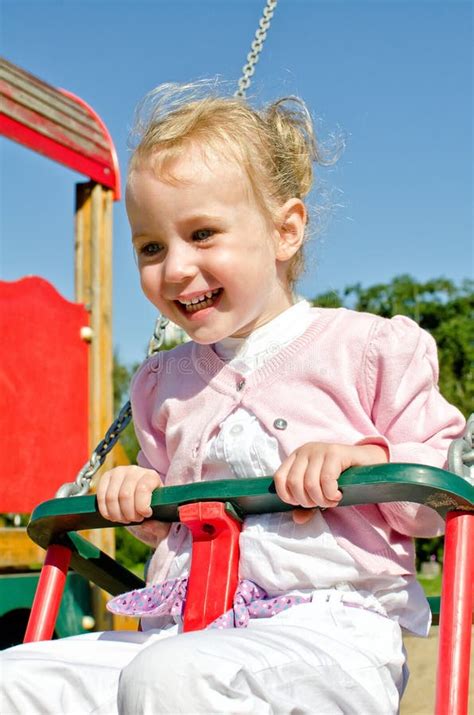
[267, 385]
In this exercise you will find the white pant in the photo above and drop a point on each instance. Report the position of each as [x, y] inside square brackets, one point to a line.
[323, 657]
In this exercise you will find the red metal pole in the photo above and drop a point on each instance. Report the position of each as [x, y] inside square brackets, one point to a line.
[452, 690]
[49, 591]
[215, 562]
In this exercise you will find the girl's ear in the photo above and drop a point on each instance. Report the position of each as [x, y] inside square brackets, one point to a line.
[291, 226]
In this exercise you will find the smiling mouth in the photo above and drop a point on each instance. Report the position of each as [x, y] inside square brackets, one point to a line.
[200, 302]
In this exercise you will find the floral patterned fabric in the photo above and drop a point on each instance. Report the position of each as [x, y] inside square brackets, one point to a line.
[169, 598]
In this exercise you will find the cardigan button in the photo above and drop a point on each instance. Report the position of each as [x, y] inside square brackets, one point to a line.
[280, 423]
[240, 385]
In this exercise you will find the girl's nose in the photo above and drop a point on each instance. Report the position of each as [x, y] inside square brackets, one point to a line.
[179, 263]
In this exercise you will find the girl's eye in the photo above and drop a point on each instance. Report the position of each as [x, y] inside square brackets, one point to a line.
[150, 249]
[202, 234]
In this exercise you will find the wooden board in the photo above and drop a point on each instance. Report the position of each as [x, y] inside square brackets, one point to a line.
[17, 550]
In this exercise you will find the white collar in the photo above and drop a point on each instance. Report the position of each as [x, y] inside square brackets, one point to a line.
[268, 338]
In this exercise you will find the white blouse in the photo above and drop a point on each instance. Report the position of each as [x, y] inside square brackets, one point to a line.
[243, 448]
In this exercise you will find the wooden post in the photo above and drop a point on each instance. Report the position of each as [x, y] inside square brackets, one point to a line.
[93, 288]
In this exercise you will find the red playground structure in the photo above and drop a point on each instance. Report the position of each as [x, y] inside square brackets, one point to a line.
[56, 368]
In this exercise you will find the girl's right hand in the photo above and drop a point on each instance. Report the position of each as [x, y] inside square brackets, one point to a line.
[124, 493]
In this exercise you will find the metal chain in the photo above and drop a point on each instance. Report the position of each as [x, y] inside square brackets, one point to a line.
[158, 336]
[461, 453]
[83, 480]
[256, 48]
[82, 483]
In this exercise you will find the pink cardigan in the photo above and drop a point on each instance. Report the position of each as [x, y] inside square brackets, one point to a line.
[350, 378]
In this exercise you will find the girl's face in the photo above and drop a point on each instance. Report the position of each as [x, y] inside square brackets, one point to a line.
[208, 258]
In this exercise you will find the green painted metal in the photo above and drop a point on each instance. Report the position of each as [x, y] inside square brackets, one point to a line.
[88, 560]
[16, 596]
[435, 606]
[55, 521]
[75, 604]
[17, 591]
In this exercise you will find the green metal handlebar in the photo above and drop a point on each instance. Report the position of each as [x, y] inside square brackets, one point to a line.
[56, 521]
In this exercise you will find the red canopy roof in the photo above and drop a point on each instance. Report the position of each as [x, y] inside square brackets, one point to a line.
[58, 124]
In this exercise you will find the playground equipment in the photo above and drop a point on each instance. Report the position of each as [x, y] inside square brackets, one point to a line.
[213, 511]
[56, 370]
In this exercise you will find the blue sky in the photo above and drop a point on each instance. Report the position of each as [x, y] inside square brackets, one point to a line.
[394, 77]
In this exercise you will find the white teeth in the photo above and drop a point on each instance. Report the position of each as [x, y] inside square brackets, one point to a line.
[202, 301]
[200, 298]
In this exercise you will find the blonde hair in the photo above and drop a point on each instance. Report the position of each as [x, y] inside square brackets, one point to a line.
[275, 145]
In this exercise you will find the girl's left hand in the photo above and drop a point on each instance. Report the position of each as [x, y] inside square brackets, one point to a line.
[308, 476]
